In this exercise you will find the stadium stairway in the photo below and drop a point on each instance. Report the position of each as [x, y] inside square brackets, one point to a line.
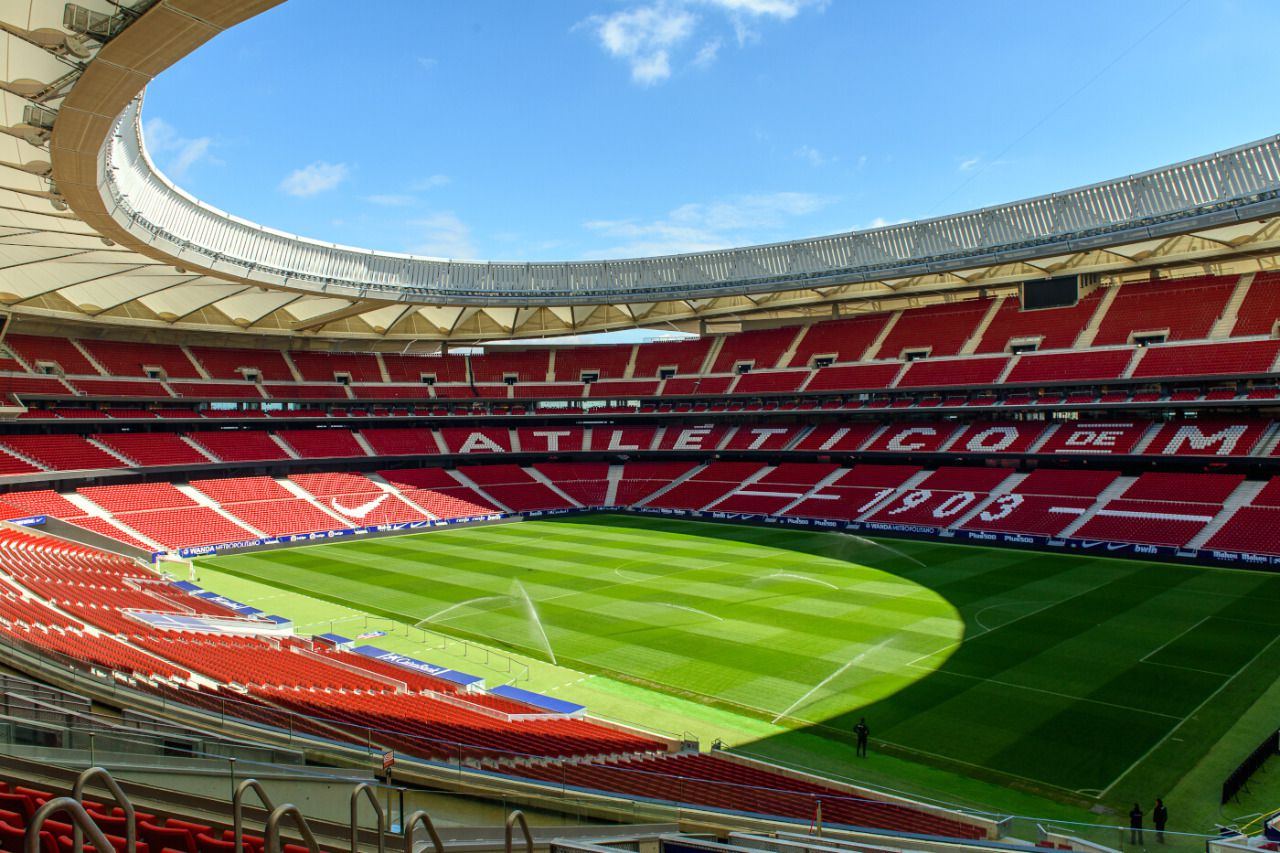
[1224, 325]
[464, 480]
[550, 484]
[1009, 484]
[688, 475]
[1242, 496]
[907, 485]
[1117, 487]
[204, 500]
[1090, 331]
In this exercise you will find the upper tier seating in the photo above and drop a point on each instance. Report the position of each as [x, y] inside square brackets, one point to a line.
[771, 382]
[838, 438]
[217, 390]
[685, 386]
[1261, 307]
[1070, 366]
[62, 452]
[1238, 358]
[989, 437]
[326, 366]
[623, 388]
[401, 441]
[1095, 438]
[494, 365]
[229, 363]
[939, 329]
[127, 358]
[607, 362]
[769, 437]
[158, 448]
[239, 445]
[322, 443]
[1207, 437]
[854, 377]
[554, 438]
[310, 391]
[476, 439]
[411, 368]
[61, 352]
[35, 386]
[1051, 328]
[912, 438]
[699, 437]
[948, 372]
[761, 348]
[684, 357]
[843, 340]
[140, 388]
[1187, 308]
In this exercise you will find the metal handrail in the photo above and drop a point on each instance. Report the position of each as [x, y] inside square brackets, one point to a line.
[515, 817]
[122, 800]
[278, 814]
[420, 816]
[237, 808]
[79, 818]
[367, 789]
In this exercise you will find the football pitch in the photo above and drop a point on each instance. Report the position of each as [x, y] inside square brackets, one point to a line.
[1076, 674]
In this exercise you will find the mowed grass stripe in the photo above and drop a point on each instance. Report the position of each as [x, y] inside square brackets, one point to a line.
[1055, 675]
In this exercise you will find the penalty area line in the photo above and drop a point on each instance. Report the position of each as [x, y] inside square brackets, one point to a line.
[1193, 712]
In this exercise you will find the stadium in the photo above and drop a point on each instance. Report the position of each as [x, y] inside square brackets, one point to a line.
[294, 530]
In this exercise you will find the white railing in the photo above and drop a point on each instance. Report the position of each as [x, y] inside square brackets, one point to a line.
[1238, 184]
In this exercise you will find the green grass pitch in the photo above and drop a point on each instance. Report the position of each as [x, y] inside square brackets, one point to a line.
[1085, 676]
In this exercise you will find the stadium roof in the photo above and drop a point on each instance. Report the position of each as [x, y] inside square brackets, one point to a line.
[92, 232]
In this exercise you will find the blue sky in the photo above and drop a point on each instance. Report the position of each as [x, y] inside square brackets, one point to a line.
[572, 130]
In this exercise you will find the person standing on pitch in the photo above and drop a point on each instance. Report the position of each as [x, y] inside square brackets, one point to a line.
[863, 732]
[1135, 824]
[1159, 817]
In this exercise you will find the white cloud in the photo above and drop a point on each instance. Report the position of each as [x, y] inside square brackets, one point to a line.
[972, 164]
[175, 153]
[391, 200]
[426, 63]
[643, 38]
[812, 156]
[315, 178]
[653, 37]
[444, 235]
[702, 227]
[429, 183]
[706, 54]
[781, 9]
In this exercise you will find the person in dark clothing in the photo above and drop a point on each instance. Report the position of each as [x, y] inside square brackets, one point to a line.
[862, 732]
[1135, 825]
[1159, 816]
